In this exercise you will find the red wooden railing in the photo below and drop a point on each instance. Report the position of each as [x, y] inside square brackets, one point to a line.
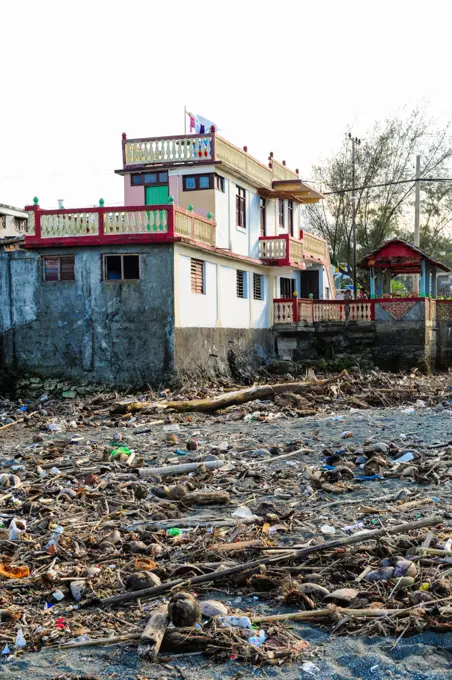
[106, 225]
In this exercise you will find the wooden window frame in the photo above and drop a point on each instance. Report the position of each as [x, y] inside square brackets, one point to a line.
[258, 287]
[196, 178]
[193, 276]
[291, 286]
[263, 216]
[290, 211]
[281, 221]
[150, 184]
[219, 183]
[57, 258]
[122, 256]
[241, 284]
[240, 207]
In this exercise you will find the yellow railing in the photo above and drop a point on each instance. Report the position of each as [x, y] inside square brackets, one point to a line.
[281, 172]
[315, 246]
[168, 149]
[273, 249]
[194, 227]
[69, 224]
[295, 251]
[136, 222]
[242, 162]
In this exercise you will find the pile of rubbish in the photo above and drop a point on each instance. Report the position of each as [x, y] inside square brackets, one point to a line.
[176, 522]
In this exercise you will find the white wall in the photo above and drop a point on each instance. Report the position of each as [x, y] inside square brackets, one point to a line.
[220, 306]
[196, 310]
[221, 215]
[234, 311]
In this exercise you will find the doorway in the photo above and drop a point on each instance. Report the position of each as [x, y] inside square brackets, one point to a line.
[157, 195]
[310, 284]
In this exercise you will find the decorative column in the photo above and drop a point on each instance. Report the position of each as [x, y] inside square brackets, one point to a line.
[422, 279]
[434, 283]
[379, 283]
[372, 283]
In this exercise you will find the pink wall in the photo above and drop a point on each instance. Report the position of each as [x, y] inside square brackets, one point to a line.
[133, 195]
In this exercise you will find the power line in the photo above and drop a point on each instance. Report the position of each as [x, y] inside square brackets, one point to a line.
[387, 184]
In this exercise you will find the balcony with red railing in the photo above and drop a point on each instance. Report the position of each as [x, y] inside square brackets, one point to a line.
[284, 250]
[116, 225]
[306, 312]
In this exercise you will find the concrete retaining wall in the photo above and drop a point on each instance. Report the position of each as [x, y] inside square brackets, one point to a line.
[215, 352]
[113, 331]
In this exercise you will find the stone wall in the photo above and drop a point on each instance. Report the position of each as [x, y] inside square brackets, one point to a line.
[105, 331]
[403, 335]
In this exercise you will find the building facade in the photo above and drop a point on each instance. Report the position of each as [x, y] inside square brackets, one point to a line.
[13, 221]
[188, 272]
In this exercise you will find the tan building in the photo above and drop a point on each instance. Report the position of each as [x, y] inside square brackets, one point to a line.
[13, 221]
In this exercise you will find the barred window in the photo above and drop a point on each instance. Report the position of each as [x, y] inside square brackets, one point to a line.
[59, 268]
[197, 277]
[257, 287]
[241, 284]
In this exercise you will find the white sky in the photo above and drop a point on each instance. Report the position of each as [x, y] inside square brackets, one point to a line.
[288, 77]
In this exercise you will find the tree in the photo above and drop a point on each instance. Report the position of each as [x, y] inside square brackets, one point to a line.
[384, 171]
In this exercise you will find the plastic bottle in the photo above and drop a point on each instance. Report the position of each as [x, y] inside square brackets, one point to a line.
[55, 537]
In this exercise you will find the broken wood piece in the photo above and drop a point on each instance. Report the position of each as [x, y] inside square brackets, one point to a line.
[180, 469]
[173, 640]
[268, 461]
[16, 422]
[238, 546]
[410, 505]
[152, 635]
[325, 613]
[223, 400]
[289, 555]
[206, 498]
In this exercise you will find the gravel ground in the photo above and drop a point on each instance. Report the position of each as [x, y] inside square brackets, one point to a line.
[422, 657]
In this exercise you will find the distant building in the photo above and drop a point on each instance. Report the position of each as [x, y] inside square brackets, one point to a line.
[13, 221]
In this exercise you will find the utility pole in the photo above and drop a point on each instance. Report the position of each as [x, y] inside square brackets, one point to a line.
[355, 142]
[417, 204]
[417, 219]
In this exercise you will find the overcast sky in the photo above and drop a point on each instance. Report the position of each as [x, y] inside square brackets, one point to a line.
[289, 77]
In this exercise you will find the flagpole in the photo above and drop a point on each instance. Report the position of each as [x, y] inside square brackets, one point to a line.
[185, 120]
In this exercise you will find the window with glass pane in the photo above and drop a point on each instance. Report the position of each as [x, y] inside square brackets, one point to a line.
[240, 205]
[137, 179]
[281, 213]
[262, 215]
[163, 177]
[204, 182]
[189, 183]
[121, 267]
[150, 178]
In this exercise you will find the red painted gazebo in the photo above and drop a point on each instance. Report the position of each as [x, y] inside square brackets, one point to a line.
[397, 256]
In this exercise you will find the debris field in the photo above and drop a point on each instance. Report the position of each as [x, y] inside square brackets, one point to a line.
[122, 514]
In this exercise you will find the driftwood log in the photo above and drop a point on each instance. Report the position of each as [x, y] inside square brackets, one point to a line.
[289, 555]
[152, 635]
[180, 469]
[223, 400]
[206, 498]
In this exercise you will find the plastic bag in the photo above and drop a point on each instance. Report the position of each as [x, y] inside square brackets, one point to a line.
[16, 529]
